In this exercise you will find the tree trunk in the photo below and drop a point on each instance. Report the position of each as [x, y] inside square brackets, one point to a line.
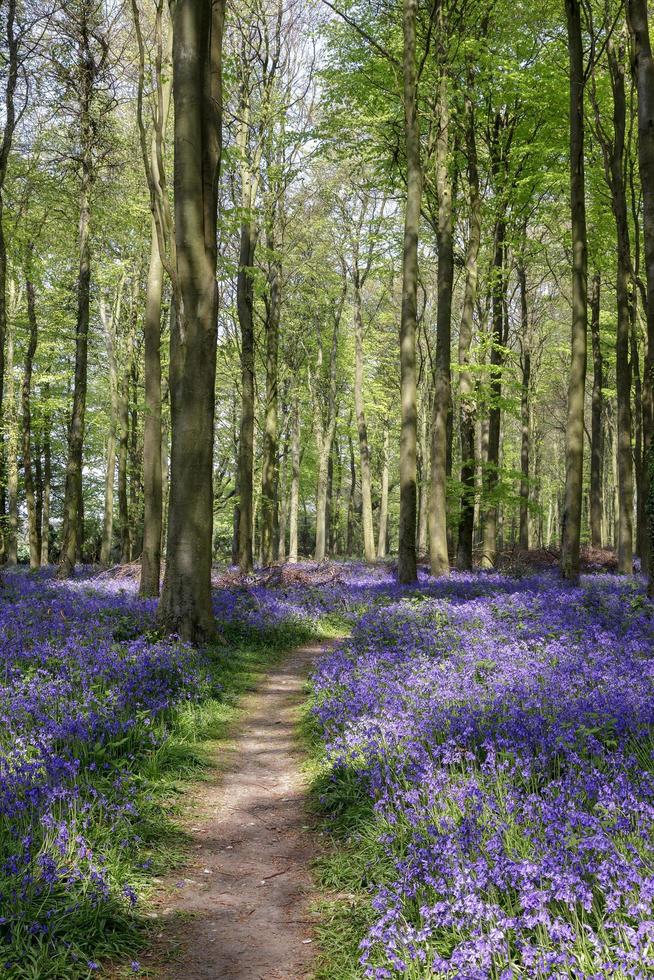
[643, 70]
[185, 604]
[73, 486]
[571, 536]
[495, 413]
[524, 411]
[160, 237]
[152, 476]
[362, 428]
[442, 394]
[30, 498]
[383, 505]
[47, 481]
[407, 570]
[596, 434]
[269, 469]
[466, 380]
[12, 440]
[110, 322]
[295, 479]
[11, 69]
[244, 306]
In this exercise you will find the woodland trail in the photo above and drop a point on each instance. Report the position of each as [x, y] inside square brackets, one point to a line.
[238, 910]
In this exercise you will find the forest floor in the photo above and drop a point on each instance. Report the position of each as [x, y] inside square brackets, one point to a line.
[240, 906]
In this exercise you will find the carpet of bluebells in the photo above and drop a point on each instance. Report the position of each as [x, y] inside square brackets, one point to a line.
[88, 691]
[504, 730]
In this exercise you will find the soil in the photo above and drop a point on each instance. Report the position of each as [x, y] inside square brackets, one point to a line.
[239, 909]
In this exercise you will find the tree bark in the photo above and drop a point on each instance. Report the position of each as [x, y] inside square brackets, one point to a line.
[466, 380]
[571, 536]
[26, 397]
[11, 550]
[525, 412]
[362, 427]
[596, 434]
[185, 604]
[438, 550]
[47, 480]
[295, 479]
[407, 568]
[73, 487]
[11, 69]
[383, 504]
[269, 475]
[492, 467]
[643, 70]
[110, 321]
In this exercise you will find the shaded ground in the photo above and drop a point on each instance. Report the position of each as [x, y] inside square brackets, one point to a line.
[239, 909]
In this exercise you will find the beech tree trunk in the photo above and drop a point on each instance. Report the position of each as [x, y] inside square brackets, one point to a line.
[73, 503]
[185, 604]
[383, 503]
[12, 438]
[407, 568]
[362, 428]
[438, 550]
[11, 69]
[269, 475]
[571, 536]
[152, 436]
[524, 410]
[596, 432]
[466, 380]
[295, 480]
[47, 480]
[28, 477]
[491, 479]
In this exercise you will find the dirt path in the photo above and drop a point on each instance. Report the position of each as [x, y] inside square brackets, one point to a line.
[238, 910]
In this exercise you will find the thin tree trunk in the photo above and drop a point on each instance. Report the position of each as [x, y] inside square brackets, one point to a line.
[185, 604]
[383, 504]
[152, 476]
[269, 474]
[596, 435]
[11, 68]
[571, 537]
[244, 306]
[438, 551]
[362, 428]
[495, 413]
[466, 380]
[73, 488]
[524, 410]
[110, 320]
[28, 477]
[12, 438]
[407, 570]
[295, 479]
[47, 480]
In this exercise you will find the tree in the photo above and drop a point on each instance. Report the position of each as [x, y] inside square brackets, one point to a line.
[407, 571]
[185, 604]
[571, 531]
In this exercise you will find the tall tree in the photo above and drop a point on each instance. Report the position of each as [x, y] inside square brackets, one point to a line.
[407, 569]
[185, 604]
[574, 465]
[643, 70]
[162, 255]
